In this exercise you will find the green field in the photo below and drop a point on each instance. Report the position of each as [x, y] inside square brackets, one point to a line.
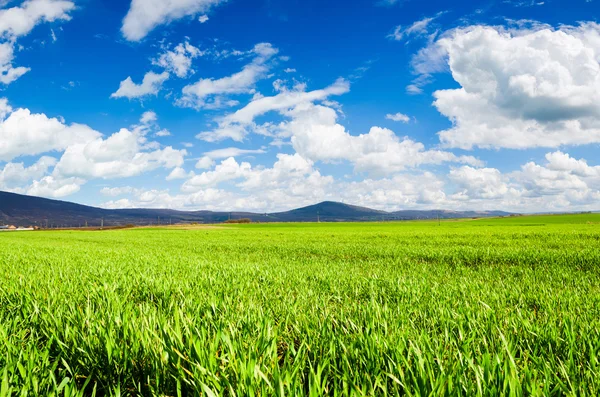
[486, 307]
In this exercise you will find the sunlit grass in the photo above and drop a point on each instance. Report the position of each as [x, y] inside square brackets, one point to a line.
[490, 307]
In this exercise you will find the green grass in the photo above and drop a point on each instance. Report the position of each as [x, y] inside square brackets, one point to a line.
[484, 307]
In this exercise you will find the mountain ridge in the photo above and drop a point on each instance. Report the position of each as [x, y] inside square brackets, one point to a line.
[25, 210]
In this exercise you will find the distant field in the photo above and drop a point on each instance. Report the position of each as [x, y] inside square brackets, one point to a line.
[485, 307]
[544, 219]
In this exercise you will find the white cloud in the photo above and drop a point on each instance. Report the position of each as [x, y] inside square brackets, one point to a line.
[145, 15]
[484, 183]
[526, 3]
[398, 117]
[231, 152]
[149, 124]
[86, 154]
[559, 161]
[400, 192]
[237, 125]
[117, 191]
[286, 173]
[23, 133]
[51, 186]
[148, 117]
[562, 175]
[151, 85]
[229, 169]
[205, 163]
[317, 136]
[417, 29]
[123, 154]
[208, 199]
[178, 173]
[291, 182]
[178, 61]
[203, 18]
[20, 21]
[162, 133]
[8, 73]
[292, 177]
[521, 87]
[14, 175]
[211, 93]
[562, 183]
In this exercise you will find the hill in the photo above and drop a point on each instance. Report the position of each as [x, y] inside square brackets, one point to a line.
[24, 210]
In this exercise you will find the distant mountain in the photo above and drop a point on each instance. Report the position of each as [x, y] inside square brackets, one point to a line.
[330, 211]
[20, 210]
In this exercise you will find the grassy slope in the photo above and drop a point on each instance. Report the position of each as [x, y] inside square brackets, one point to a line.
[465, 308]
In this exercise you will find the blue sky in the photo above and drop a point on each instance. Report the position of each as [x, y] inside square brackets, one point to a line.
[269, 105]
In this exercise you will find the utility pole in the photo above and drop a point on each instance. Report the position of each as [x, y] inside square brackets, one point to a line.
[318, 217]
[102, 224]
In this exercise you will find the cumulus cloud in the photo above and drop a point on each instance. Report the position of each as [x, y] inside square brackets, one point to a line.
[86, 153]
[205, 163]
[51, 186]
[211, 93]
[151, 85]
[178, 173]
[209, 199]
[286, 169]
[229, 169]
[14, 175]
[520, 87]
[480, 183]
[562, 175]
[316, 135]
[291, 175]
[292, 181]
[20, 21]
[123, 154]
[145, 15]
[23, 133]
[399, 192]
[179, 60]
[560, 183]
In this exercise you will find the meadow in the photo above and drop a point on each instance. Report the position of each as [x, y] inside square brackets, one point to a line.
[475, 308]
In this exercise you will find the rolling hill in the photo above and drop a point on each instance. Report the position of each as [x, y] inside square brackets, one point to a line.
[16, 209]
